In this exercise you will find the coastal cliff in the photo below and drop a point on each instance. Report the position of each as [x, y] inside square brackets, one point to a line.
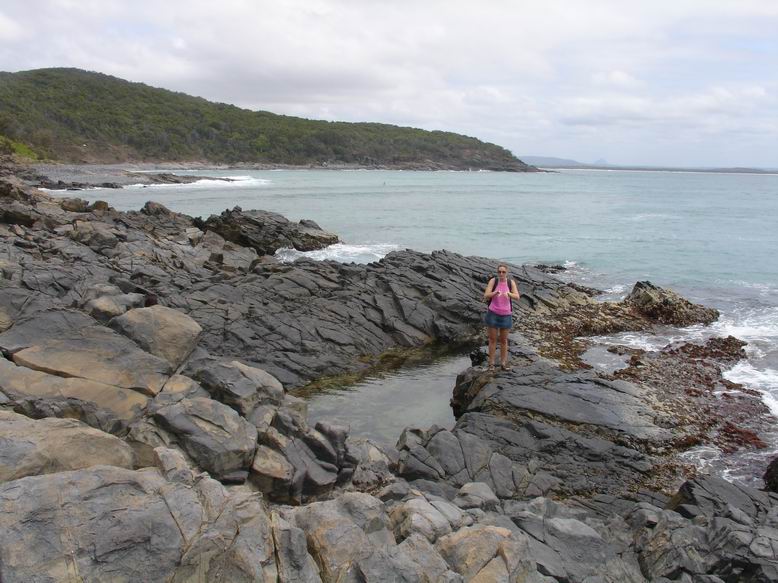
[150, 433]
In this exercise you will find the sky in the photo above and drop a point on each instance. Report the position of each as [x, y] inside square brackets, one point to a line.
[656, 82]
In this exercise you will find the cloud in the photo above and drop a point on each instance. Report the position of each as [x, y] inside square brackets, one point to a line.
[571, 78]
[10, 30]
[616, 79]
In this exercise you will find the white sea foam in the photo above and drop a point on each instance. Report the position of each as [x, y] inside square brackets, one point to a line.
[211, 182]
[649, 216]
[569, 264]
[764, 380]
[341, 252]
[616, 289]
[703, 457]
[763, 288]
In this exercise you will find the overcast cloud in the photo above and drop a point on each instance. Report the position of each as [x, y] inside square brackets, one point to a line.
[670, 82]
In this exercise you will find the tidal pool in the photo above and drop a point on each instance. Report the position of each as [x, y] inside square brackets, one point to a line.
[381, 406]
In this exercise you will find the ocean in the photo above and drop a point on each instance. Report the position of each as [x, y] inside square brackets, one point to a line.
[712, 237]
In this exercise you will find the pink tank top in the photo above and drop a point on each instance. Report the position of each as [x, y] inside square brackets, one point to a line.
[501, 305]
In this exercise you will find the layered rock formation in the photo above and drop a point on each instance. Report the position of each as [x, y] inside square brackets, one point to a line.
[148, 433]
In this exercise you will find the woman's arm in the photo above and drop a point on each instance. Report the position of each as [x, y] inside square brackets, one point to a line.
[514, 290]
[488, 293]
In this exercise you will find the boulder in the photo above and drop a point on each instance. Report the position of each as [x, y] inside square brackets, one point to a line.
[160, 331]
[237, 385]
[711, 528]
[418, 516]
[218, 439]
[433, 567]
[295, 565]
[476, 495]
[667, 307]
[344, 531]
[266, 232]
[488, 553]
[46, 446]
[350, 540]
[573, 544]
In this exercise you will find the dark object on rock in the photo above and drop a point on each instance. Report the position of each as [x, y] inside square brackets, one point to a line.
[478, 357]
[550, 268]
[771, 476]
[667, 307]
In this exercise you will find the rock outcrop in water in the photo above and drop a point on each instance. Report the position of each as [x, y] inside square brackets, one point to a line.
[149, 435]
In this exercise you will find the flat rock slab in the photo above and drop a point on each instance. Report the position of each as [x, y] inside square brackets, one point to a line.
[31, 447]
[577, 464]
[113, 407]
[161, 331]
[579, 398]
[71, 344]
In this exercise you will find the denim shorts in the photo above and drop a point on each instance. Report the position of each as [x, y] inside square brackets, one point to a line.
[497, 321]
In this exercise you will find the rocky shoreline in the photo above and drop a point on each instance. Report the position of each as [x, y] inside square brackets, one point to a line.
[52, 176]
[149, 432]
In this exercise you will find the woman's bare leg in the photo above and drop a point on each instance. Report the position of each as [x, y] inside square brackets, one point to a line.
[492, 343]
[504, 346]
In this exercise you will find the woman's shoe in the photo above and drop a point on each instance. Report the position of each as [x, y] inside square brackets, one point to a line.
[490, 368]
[505, 367]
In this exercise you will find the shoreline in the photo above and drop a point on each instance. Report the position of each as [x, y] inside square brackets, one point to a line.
[131, 173]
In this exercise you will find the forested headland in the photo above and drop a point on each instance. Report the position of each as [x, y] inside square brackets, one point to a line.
[71, 115]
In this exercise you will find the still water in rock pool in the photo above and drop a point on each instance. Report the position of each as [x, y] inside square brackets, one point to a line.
[380, 406]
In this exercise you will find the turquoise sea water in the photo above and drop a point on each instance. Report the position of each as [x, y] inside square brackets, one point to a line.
[712, 237]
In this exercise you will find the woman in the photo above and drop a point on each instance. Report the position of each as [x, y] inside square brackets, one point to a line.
[499, 293]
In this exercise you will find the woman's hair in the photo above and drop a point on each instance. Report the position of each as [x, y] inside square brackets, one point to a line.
[502, 265]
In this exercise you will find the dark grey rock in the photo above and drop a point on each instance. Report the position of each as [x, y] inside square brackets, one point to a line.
[476, 495]
[771, 476]
[667, 307]
[266, 232]
[215, 436]
[237, 385]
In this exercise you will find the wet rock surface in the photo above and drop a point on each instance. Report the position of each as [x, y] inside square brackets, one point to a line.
[146, 363]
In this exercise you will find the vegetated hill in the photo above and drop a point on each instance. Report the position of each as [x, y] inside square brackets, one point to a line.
[80, 116]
